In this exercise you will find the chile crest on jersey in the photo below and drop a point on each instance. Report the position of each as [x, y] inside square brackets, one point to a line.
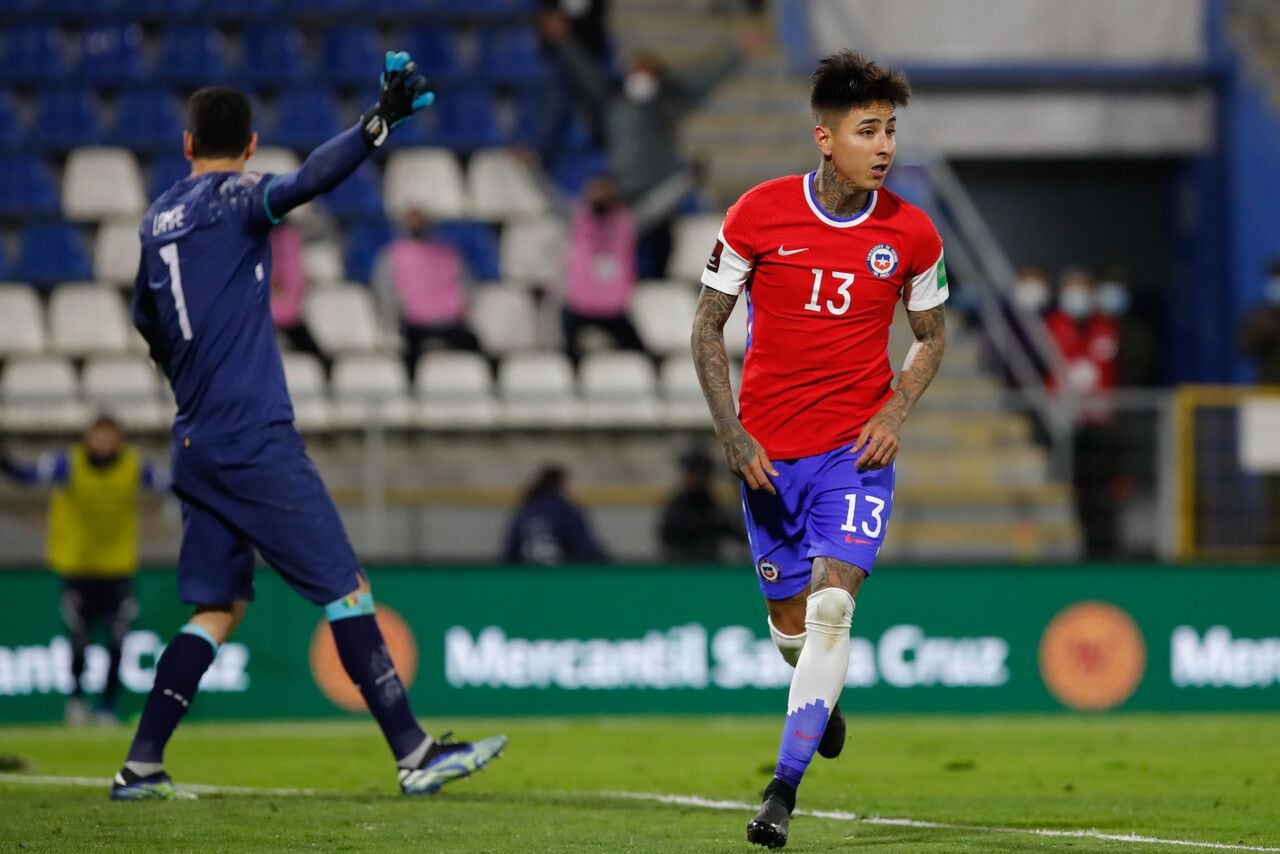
[882, 260]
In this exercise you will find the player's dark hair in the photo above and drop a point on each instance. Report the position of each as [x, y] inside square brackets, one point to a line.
[846, 79]
[220, 121]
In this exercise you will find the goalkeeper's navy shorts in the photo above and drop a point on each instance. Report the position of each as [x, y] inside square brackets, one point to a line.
[258, 491]
[825, 507]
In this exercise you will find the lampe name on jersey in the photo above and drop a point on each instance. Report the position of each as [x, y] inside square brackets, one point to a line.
[821, 294]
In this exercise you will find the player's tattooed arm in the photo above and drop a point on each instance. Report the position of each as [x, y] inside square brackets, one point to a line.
[878, 442]
[742, 452]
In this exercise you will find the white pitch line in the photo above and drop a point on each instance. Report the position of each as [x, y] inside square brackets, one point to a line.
[700, 803]
[835, 815]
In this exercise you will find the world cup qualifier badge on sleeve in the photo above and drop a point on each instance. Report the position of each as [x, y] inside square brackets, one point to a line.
[882, 260]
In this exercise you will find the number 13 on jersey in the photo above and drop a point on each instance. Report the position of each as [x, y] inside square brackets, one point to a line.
[846, 282]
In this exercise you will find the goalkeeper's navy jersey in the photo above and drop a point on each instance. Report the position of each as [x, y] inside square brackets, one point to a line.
[202, 299]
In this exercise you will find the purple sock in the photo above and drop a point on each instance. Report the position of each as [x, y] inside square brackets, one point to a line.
[800, 736]
[364, 656]
[178, 673]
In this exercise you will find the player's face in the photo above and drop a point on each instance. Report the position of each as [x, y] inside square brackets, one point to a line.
[861, 145]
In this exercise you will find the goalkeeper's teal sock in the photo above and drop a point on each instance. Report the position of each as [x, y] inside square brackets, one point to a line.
[366, 659]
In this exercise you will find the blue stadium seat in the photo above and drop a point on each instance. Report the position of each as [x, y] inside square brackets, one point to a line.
[64, 118]
[165, 172]
[147, 120]
[83, 10]
[273, 55]
[10, 127]
[30, 53]
[434, 53]
[27, 187]
[112, 54]
[304, 119]
[572, 171]
[512, 56]
[17, 7]
[471, 8]
[291, 7]
[52, 252]
[466, 119]
[359, 197]
[351, 55]
[363, 245]
[476, 242]
[194, 55]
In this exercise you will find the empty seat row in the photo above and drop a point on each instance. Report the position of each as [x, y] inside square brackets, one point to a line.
[44, 393]
[532, 389]
[83, 319]
[105, 182]
[275, 55]
[451, 391]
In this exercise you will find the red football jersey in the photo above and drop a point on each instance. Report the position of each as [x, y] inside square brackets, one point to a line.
[821, 292]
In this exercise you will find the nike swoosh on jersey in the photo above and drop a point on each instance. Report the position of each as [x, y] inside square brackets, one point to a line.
[782, 250]
[807, 737]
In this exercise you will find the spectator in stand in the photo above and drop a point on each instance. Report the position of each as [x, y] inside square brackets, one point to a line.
[1088, 341]
[641, 115]
[1260, 341]
[93, 545]
[693, 522]
[600, 268]
[420, 286]
[1137, 362]
[548, 529]
[289, 287]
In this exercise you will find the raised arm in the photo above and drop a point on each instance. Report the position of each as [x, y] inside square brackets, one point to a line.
[878, 440]
[742, 452]
[403, 93]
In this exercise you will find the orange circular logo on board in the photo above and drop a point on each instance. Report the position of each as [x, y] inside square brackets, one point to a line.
[1092, 656]
[332, 678]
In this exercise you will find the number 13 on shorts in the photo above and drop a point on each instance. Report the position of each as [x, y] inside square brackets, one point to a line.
[872, 518]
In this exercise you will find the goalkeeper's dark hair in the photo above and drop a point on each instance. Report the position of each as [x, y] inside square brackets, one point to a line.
[846, 79]
[220, 120]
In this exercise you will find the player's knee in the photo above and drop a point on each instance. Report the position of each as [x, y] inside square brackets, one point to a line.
[830, 608]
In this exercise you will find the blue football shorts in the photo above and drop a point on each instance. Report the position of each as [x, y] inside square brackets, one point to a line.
[258, 491]
[825, 507]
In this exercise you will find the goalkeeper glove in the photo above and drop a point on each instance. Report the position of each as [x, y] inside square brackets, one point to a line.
[404, 92]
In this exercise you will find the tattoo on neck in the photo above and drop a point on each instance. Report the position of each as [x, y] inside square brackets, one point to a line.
[836, 195]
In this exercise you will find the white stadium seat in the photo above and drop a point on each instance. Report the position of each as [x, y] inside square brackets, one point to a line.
[692, 241]
[532, 249]
[371, 388]
[322, 264]
[304, 375]
[428, 179]
[504, 318]
[537, 390]
[455, 390]
[115, 252]
[682, 402]
[128, 388]
[618, 389]
[269, 159]
[343, 320]
[21, 320]
[501, 186]
[40, 393]
[662, 313]
[86, 318]
[98, 183]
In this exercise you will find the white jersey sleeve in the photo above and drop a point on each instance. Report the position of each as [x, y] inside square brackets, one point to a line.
[928, 289]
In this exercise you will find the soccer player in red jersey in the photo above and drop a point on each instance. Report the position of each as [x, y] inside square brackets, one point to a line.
[824, 258]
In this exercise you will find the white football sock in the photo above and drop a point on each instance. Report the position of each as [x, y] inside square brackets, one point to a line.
[788, 645]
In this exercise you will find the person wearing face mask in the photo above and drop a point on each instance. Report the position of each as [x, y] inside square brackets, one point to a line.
[1089, 342]
[1137, 363]
[601, 269]
[420, 285]
[641, 114]
[92, 543]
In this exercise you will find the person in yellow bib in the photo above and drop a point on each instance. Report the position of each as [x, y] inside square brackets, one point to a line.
[93, 544]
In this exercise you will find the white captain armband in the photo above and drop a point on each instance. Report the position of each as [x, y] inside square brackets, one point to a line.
[726, 271]
[929, 289]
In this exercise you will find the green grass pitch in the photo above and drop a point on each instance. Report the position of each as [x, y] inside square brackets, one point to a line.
[1178, 778]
